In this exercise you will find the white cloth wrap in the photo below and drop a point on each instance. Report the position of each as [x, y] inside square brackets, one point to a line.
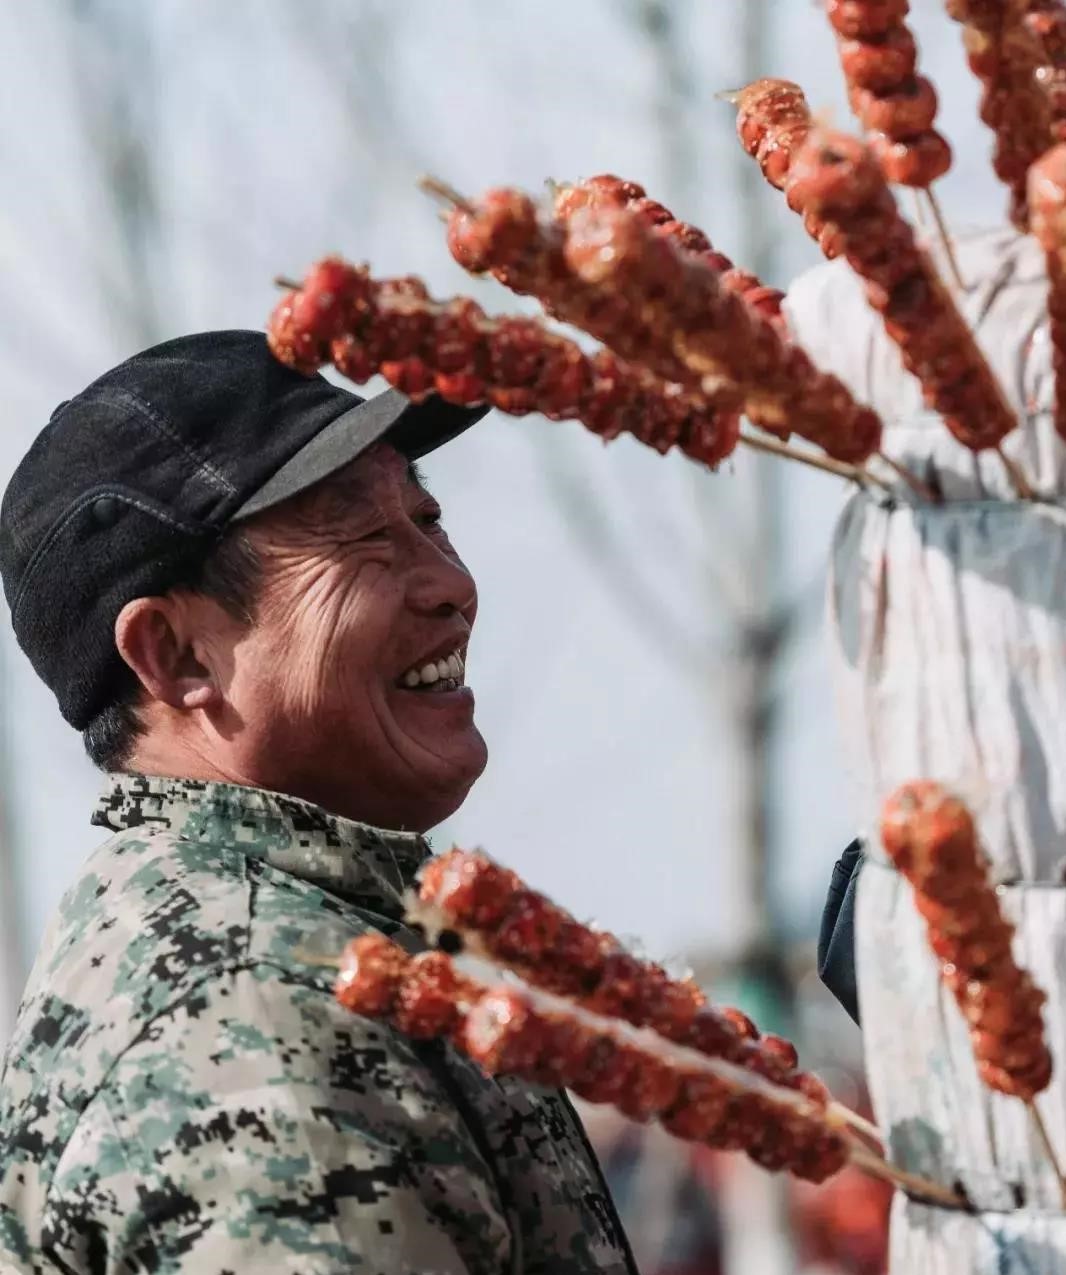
[948, 627]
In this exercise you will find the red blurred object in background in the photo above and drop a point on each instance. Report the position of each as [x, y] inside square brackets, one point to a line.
[844, 1224]
[671, 1196]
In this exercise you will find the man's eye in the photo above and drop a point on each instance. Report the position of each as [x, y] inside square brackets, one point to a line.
[430, 517]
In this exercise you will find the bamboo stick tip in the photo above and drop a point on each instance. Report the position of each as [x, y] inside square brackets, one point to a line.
[314, 958]
[921, 489]
[912, 1183]
[1044, 1135]
[945, 239]
[840, 469]
[438, 189]
[1021, 484]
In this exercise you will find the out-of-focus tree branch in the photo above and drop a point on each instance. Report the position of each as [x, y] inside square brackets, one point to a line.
[353, 45]
[587, 517]
[655, 24]
[112, 71]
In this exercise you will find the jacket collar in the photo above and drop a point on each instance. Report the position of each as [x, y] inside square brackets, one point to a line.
[368, 866]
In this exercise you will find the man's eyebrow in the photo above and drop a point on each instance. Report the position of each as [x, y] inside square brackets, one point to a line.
[417, 477]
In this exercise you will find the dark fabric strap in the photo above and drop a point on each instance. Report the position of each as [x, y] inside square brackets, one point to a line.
[836, 939]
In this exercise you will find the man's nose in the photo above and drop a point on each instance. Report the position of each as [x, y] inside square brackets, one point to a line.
[441, 585]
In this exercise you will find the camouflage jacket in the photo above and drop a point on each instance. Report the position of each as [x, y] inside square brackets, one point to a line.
[183, 1093]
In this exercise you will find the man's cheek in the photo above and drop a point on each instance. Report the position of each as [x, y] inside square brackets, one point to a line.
[292, 665]
[330, 640]
[342, 599]
[327, 666]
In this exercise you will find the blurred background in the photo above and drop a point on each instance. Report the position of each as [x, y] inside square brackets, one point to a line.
[648, 660]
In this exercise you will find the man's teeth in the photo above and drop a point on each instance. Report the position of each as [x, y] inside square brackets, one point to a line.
[449, 669]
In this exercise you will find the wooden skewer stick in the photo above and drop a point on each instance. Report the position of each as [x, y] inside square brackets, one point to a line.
[1045, 1138]
[290, 285]
[912, 1183]
[839, 468]
[945, 238]
[441, 190]
[912, 480]
[1018, 479]
[919, 209]
[1017, 476]
[311, 958]
[433, 923]
[839, 1112]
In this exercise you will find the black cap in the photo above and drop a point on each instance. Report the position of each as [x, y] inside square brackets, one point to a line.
[131, 483]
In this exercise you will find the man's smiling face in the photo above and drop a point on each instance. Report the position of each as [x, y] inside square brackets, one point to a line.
[349, 688]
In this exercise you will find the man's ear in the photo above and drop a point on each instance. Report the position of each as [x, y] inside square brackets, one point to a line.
[154, 637]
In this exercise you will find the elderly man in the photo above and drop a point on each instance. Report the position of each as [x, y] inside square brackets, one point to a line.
[238, 588]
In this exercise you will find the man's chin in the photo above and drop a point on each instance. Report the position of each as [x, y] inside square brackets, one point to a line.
[462, 763]
[448, 782]
[430, 808]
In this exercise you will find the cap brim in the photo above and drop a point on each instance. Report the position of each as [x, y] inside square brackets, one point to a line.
[414, 429]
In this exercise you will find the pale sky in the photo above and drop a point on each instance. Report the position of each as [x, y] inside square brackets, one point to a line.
[276, 133]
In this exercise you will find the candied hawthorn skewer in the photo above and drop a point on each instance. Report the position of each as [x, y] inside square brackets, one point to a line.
[1045, 24]
[931, 838]
[838, 177]
[774, 121]
[897, 106]
[513, 1031]
[607, 394]
[516, 364]
[489, 905]
[506, 1031]
[488, 909]
[542, 1039]
[606, 190]
[422, 996]
[501, 234]
[1011, 48]
[315, 313]
[1047, 208]
[691, 317]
